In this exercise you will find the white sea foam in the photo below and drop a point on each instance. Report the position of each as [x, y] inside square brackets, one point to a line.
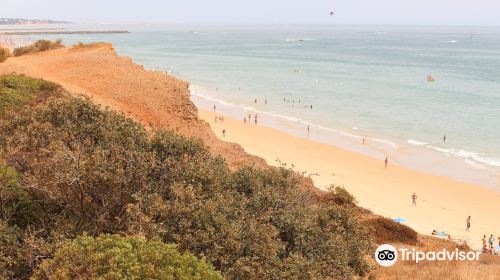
[297, 39]
[415, 142]
[472, 157]
[386, 142]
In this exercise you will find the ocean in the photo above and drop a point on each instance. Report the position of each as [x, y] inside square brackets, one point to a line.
[347, 83]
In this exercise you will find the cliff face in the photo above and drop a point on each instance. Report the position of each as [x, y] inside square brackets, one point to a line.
[154, 98]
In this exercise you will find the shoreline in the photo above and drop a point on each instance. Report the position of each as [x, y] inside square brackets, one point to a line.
[443, 204]
[433, 158]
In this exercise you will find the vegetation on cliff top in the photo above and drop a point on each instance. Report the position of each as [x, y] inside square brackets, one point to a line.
[4, 53]
[38, 46]
[73, 168]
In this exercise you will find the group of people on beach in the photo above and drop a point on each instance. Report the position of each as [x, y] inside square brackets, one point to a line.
[489, 245]
[255, 119]
[219, 118]
[293, 102]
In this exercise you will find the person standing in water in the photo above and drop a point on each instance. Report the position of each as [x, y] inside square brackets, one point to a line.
[386, 161]
[414, 199]
[255, 119]
[444, 139]
[255, 101]
[468, 224]
[215, 107]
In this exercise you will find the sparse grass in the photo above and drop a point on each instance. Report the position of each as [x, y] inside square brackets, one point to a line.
[385, 230]
[488, 266]
[81, 45]
[38, 46]
[452, 270]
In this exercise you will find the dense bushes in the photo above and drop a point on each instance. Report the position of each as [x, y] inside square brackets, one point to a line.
[116, 257]
[388, 231]
[88, 169]
[38, 46]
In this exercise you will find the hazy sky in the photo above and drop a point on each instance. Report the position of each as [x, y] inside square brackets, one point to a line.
[426, 12]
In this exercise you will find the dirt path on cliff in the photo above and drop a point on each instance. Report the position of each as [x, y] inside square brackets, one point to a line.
[154, 98]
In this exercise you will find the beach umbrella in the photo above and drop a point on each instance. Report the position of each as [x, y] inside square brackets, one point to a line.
[400, 220]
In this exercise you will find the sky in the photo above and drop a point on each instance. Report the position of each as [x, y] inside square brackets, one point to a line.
[413, 12]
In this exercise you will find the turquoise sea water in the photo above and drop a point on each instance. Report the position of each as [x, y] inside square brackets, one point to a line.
[362, 82]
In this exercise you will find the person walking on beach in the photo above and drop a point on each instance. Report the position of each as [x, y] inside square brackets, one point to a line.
[484, 241]
[265, 101]
[444, 139]
[245, 120]
[491, 241]
[223, 133]
[215, 107]
[255, 119]
[364, 140]
[255, 101]
[414, 199]
[386, 161]
[468, 224]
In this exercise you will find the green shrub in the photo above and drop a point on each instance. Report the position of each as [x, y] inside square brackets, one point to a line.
[339, 196]
[116, 257]
[15, 203]
[38, 46]
[3, 54]
[9, 250]
[16, 90]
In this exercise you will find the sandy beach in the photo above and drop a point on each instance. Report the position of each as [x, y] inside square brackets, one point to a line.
[442, 204]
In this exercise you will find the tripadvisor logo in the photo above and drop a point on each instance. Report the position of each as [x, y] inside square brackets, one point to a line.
[387, 255]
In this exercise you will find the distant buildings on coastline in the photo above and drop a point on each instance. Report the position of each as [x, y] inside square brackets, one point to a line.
[22, 21]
